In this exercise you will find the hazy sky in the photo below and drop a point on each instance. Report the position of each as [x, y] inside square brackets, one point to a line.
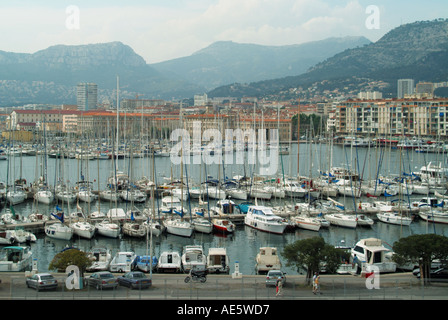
[162, 30]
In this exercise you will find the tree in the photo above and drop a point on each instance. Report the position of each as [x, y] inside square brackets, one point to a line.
[311, 254]
[70, 257]
[421, 249]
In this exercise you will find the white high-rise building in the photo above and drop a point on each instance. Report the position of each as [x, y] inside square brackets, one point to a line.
[405, 88]
[200, 99]
[87, 96]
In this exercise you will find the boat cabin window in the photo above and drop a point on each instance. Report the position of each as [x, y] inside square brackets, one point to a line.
[377, 257]
[359, 249]
[227, 208]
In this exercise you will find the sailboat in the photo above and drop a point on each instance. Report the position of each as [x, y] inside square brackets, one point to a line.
[58, 230]
[44, 196]
[15, 195]
[177, 225]
[85, 193]
[200, 223]
[134, 229]
[342, 220]
[64, 194]
[82, 227]
[108, 229]
[306, 222]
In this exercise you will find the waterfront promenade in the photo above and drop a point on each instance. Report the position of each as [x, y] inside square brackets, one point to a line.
[397, 286]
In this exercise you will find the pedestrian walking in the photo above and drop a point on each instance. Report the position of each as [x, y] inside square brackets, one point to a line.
[316, 284]
[279, 290]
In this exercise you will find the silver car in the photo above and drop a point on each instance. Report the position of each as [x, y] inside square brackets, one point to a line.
[102, 280]
[273, 276]
[42, 281]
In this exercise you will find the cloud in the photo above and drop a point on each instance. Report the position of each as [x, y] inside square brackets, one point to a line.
[161, 30]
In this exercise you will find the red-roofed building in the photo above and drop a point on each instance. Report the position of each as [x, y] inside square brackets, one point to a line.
[54, 120]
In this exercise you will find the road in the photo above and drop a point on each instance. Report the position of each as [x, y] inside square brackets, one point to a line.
[397, 286]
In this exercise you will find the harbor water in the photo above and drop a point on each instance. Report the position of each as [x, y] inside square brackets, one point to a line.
[244, 244]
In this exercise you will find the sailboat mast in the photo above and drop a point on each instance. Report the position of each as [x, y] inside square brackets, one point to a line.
[298, 139]
[116, 147]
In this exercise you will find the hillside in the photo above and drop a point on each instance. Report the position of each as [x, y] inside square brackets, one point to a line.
[51, 75]
[227, 62]
[418, 50]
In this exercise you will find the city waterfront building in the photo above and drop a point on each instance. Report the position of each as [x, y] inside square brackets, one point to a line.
[53, 120]
[420, 117]
[424, 89]
[87, 96]
[200, 99]
[405, 88]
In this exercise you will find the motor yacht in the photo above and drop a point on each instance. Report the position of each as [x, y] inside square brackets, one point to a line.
[263, 218]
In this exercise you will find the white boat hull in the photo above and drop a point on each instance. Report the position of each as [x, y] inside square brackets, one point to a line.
[45, 197]
[106, 229]
[169, 262]
[14, 197]
[268, 227]
[260, 194]
[133, 196]
[435, 216]
[109, 196]
[306, 223]
[216, 194]
[66, 197]
[237, 194]
[341, 220]
[86, 196]
[202, 225]
[179, 228]
[394, 218]
[83, 229]
[59, 231]
[223, 225]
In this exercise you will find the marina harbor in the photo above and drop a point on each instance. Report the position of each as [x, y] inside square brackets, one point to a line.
[243, 152]
[222, 218]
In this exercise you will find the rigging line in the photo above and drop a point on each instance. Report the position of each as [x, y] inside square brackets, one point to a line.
[351, 186]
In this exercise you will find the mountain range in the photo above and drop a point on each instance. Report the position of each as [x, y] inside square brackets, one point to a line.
[418, 50]
[51, 75]
[226, 62]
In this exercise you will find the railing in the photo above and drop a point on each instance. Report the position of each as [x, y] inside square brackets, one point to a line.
[244, 288]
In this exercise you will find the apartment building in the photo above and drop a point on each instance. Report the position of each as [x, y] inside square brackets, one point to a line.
[131, 124]
[87, 96]
[424, 117]
[51, 120]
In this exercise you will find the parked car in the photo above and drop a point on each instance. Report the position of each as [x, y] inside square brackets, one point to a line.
[439, 274]
[42, 281]
[102, 280]
[273, 276]
[134, 280]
